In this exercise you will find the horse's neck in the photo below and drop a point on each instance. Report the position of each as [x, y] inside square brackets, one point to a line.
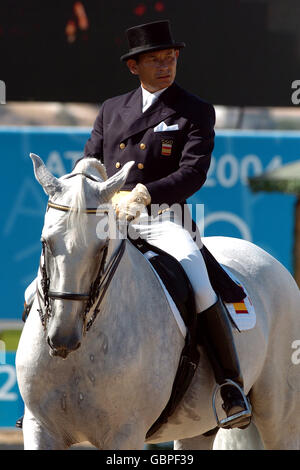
[113, 246]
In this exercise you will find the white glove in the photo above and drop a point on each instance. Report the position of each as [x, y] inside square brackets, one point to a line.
[131, 205]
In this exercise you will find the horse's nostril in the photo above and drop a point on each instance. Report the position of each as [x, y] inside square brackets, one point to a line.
[62, 348]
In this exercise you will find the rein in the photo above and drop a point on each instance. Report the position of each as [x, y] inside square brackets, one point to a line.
[98, 287]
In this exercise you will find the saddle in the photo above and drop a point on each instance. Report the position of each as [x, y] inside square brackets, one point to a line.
[179, 287]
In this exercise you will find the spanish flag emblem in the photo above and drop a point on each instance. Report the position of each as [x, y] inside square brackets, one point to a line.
[240, 307]
[166, 147]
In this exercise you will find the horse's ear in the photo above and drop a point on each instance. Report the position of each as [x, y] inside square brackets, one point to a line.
[115, 182]
[50, 184]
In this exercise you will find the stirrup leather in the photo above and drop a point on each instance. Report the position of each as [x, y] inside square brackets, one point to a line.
[237, 417]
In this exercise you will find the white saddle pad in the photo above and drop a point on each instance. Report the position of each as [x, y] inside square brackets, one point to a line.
[242, 313]
[180, 323]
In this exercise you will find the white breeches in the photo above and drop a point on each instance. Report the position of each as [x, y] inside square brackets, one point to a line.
[168, 234]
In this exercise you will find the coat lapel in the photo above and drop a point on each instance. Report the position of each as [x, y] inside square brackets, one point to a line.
[132, 110]
[136, 121]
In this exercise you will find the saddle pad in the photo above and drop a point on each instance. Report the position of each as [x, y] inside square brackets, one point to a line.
[242, 313]
[180, 323]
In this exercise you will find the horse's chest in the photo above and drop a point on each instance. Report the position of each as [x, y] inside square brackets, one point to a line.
[73, 405]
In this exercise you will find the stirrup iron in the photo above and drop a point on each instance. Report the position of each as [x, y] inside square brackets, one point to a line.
[225, 422]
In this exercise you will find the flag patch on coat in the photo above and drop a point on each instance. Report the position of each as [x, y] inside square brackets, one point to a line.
[166, 147]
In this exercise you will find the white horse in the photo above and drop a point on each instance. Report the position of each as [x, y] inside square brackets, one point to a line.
[110, 370]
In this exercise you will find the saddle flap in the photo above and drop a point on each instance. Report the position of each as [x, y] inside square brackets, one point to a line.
[173, 277]
[175, 280]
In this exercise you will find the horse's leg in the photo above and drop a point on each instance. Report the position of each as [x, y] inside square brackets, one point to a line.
[195, 443]
[238, 439]
[235, 439]
[36, 437]
[278, 422]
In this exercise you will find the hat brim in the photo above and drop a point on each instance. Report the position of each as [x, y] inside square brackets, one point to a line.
[140, 50]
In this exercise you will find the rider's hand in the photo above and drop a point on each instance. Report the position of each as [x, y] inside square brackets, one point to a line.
[130, 206]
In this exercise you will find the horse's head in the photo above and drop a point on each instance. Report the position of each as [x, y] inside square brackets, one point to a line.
[73, 251]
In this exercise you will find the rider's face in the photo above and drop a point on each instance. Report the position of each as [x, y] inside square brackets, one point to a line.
[156, 70]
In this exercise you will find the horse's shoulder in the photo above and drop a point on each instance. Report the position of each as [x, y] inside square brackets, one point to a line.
[138, 262]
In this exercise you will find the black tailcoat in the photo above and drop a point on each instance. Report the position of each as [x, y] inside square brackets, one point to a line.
[171, 164]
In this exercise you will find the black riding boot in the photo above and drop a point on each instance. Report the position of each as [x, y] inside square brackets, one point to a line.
[215, 333]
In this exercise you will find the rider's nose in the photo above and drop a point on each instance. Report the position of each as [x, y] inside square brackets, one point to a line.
[162, 65]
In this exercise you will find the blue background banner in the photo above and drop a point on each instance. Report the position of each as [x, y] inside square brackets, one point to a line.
[230, 208]
[11, 403]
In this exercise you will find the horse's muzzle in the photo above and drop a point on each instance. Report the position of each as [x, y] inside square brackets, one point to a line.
[62, 351]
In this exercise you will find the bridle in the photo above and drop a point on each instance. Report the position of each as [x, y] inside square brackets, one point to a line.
[98, 287]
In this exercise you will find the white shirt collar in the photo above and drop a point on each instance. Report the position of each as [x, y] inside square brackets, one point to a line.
[149, 98]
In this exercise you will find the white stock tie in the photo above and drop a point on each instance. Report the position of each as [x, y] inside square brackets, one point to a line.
[150, 100]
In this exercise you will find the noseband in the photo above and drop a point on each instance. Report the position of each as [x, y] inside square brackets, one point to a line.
[98, 287]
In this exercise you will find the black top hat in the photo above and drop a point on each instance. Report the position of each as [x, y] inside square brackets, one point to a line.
[150, 37]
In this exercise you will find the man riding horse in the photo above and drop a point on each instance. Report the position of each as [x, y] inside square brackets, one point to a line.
[170, 135]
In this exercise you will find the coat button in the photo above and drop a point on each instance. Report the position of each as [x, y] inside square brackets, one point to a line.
[122, 145]
[118, 164]
[142, 146]
[140, 166]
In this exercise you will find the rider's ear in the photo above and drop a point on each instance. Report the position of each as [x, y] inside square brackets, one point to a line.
[50, 184]
[133, 66]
